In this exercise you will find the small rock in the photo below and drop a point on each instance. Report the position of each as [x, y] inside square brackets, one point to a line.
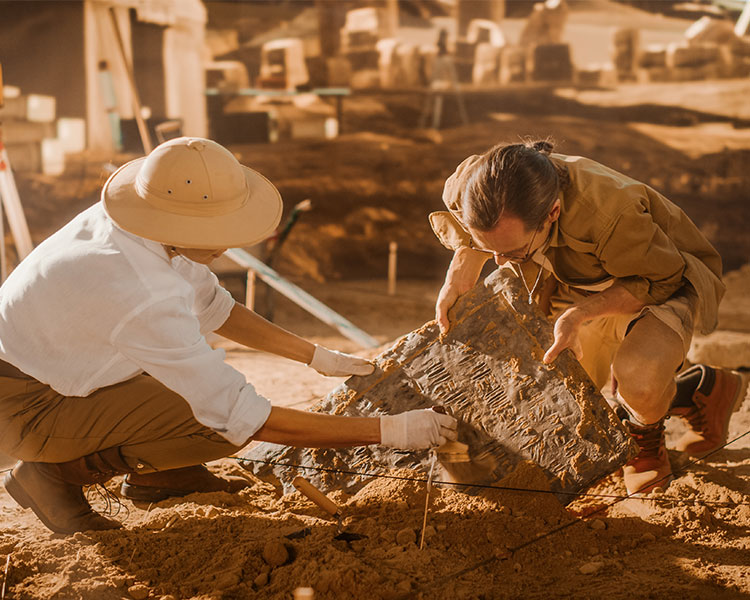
[590, 568]
[648, 537]
[389, 535]
[517, 567]
[138, 591]
[210, 512]
[404, 586]
[265, 569]
[228, 580]
[275, 554]
[261, 579]
[429, 531]
[568, 553]
[598, 524]
[704, 515]
[406, 536]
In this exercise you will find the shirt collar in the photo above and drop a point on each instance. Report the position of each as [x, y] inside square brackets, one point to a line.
[155, 247]
[553, 239]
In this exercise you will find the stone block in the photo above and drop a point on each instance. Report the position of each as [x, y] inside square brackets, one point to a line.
[487, 370]
[513, 65]
[694, 55]
[33, 107]
[653, 56]
[552, 62]
[16, 131]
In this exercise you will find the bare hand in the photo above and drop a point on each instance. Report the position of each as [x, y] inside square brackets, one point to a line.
[566, 336]
[447, 297]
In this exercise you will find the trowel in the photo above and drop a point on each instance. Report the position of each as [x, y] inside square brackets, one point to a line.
[307, 489]
[458, 464]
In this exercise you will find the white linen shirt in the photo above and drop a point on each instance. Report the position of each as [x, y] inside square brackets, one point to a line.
[94, 305]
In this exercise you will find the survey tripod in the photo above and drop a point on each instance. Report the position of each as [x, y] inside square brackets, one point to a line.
[10, 205]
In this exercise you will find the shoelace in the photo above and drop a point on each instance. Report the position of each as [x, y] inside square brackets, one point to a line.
[99, 494]
[649, 440]
[697, 419]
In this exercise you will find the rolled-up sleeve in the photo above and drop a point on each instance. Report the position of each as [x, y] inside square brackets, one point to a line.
[164, 339]
[646, 262]
[212, 302]
[449, 231]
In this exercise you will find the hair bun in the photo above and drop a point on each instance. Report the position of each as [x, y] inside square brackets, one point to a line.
[543, 146]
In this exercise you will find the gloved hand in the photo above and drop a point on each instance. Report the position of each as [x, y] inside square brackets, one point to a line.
[417, 429]
[337, 364]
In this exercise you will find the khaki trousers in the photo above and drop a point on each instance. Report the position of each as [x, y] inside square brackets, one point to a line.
[153, 426]
[601, 338]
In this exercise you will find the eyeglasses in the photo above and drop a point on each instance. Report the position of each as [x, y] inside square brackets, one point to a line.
[514, 257]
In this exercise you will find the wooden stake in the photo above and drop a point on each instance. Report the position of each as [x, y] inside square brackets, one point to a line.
[5, 576]
[301, 297]
[142, 129]
[250, 290]
[392, 261]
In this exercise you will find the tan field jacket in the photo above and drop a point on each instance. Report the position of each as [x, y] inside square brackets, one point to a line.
[611, 228]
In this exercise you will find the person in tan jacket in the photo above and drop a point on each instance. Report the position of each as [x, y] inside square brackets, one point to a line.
[104, 365]
[623, 272]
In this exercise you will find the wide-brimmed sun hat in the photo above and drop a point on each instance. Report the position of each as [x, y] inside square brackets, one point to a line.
[192, 193]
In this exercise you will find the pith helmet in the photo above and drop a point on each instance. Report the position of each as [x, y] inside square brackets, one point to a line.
[192, 193]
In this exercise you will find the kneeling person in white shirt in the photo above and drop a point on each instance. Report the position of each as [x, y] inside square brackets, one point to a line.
[104, 367]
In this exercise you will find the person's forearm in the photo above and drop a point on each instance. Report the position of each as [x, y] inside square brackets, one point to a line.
[313, 430]
[615, 300]
[465, 268]
[250, 329]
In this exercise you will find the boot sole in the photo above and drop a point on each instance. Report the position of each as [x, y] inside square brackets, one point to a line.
[736, 404]
[18, 494]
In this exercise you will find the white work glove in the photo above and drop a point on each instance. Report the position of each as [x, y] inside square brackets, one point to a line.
[337, 364]
[417, 429]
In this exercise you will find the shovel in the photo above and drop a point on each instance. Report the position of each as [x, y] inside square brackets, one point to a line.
[315, 495]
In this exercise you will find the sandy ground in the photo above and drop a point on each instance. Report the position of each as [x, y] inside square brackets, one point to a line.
[372, 185]
[692, 541]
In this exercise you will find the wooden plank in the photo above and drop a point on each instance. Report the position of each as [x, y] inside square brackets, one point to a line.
[302, 298]
[13, 209]
[138, 114]
[512, 409]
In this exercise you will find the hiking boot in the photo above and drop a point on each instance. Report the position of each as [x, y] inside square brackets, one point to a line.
[160, 485]
[719, 393]
[650, 468]
[54, 490]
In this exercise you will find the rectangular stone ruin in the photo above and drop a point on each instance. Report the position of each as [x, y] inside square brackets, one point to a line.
[487, 371]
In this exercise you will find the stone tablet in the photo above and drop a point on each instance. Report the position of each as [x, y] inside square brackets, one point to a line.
[486, 371]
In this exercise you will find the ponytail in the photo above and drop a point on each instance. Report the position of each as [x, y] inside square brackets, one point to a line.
[517, 179]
